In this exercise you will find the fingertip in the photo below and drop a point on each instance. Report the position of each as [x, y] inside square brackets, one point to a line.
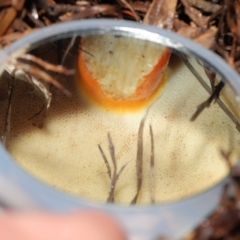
[84, 225]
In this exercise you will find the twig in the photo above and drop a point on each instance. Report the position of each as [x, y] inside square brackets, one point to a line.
[121, 170]
[211, 76]
[208, 89]
[37, 113]
[114, 176]
[152, 160]
[214, 96]
[106, 162]
[6, 128]
[40, 74]
[70, 45]
[139, 160]
[46, 65]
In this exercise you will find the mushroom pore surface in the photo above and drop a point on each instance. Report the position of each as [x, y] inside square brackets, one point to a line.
[64, 152]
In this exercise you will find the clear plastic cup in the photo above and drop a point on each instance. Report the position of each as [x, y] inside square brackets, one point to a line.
[20, 189]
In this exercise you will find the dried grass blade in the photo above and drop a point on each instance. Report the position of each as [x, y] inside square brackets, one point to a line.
[152, 161]
[111, 192]
[211, 76]
[114, 175]
[38, 112]
[66, 52]
[121, 170]
[214, 96]
[46, 65]
[40, 74]
[6, 127]
[112, 153]
[139, 159]
[209, 90]
[43, 87]
[106, 162]
[114, 182]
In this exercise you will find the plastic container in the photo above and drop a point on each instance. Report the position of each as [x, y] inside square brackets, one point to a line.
[20, 190]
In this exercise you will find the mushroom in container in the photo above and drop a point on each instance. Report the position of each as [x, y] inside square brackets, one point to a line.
[130, 110]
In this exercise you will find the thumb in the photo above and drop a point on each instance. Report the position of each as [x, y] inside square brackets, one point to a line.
[85, 225]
